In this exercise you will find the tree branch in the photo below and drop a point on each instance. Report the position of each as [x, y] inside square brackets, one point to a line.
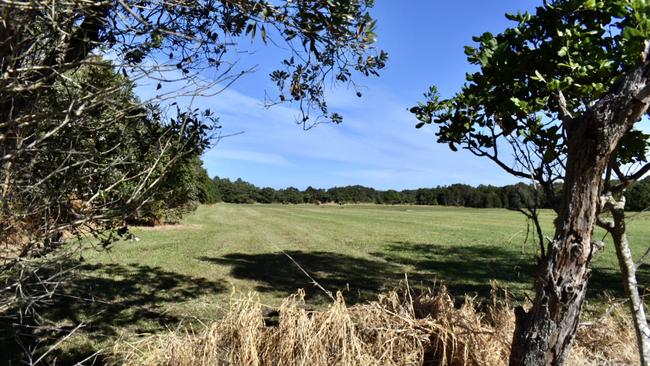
[564, 112]
[501, 164]
[627, 180]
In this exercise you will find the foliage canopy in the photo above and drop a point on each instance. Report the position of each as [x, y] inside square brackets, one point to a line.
[534, 78]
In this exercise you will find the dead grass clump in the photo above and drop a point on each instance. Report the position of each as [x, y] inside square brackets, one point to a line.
[606, 341]
[397, 329]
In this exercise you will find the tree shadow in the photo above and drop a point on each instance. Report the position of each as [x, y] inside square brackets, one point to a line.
[464, 269]
[113, 296]
[360, 279]
[469, 269]
[108, 298]
[608, 280]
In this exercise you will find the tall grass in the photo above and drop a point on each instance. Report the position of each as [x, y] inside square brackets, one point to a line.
[396, 329]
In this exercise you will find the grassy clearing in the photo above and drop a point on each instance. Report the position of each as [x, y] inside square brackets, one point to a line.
[181, 273]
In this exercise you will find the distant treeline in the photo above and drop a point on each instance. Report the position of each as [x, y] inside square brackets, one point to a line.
[484, 196]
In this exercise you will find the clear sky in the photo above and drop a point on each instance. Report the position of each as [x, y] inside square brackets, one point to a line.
[377, 145]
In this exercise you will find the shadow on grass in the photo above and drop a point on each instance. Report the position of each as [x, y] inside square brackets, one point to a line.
[113, 296]
[610, 281]
[108, 298]
[463, 269]
[133, 297]
[359, 278]
[469, 269]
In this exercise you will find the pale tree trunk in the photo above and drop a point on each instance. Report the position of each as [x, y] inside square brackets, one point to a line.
[628, 271]
[544, 334]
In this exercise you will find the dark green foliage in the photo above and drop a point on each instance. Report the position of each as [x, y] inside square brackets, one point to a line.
[637, 197]
[207, 190]
[578, 48]
[181, 189]
[351, 194]
[238, 191]
[289, 195]
[266, 195]
[389, 197]
[517, 196]
[112, 161]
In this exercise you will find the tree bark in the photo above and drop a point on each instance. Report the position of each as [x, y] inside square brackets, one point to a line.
[544, 334]
[628, 272]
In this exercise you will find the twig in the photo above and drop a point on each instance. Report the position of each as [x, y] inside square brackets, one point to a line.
[328, 293]
[55, 345]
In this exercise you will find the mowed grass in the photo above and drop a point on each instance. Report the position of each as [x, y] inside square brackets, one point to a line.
[189, 271]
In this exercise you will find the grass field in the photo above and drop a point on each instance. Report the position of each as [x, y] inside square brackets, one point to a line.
[189, 271]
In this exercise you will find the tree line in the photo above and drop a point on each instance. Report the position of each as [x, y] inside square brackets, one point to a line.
[514, 196]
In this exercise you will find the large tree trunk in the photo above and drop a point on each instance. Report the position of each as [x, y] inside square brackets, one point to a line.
[544, 334]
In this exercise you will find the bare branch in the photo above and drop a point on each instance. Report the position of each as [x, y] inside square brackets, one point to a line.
[564, 112]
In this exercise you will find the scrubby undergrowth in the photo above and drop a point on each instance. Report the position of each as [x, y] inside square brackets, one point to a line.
[397, 329]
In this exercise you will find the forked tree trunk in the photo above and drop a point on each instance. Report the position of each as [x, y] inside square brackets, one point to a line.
[544, 334]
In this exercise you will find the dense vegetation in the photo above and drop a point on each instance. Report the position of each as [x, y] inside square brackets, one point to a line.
[514, 196]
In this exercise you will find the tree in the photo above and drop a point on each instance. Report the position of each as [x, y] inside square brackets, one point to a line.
[290, 195]
[79, 153]
[616, 228]
[563, 89]
[159, 41]
[638, 196]
[425, 196]
[208, 192]
[390, 197]
[182, 187]
[267, 195]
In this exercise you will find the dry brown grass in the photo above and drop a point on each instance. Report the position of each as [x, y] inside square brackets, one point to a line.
[397, 329]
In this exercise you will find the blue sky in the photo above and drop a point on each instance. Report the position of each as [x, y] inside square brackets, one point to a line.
[377, 145]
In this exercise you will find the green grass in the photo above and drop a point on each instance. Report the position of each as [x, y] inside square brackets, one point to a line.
[190, 271]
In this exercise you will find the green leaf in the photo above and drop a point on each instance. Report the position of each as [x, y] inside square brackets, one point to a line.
[538, 77]
[263, 31]
[630, 33]
[589, 4]
[483, 59]
[516, 101]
